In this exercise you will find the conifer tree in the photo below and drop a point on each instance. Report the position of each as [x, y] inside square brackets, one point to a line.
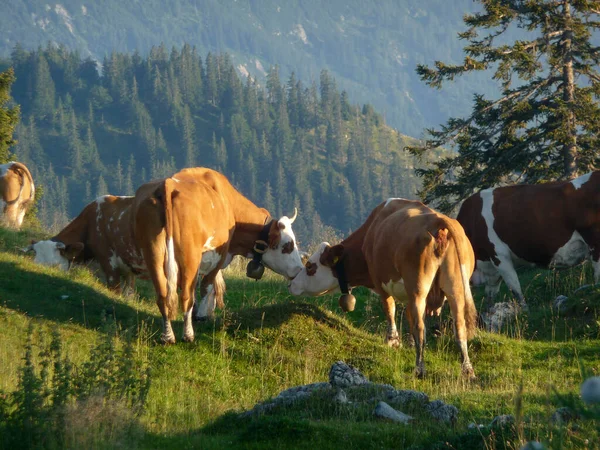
[545, 125]
[9, 116]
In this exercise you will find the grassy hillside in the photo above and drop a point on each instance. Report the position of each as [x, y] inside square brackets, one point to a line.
[265, 341]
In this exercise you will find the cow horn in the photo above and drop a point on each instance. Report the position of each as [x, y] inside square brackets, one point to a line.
[295, 215]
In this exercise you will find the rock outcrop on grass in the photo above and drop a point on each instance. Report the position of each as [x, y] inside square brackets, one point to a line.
[348, 387]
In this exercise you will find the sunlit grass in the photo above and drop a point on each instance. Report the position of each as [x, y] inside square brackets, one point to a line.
[266, 341]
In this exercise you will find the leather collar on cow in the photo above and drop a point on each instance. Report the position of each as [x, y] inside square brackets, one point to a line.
[255, 267]
[340, 271]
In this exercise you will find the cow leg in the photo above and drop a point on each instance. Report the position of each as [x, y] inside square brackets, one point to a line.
[415, 314]
[389, 308]
[188, 286]
[509, 275]
[488, 273]
[206, 309]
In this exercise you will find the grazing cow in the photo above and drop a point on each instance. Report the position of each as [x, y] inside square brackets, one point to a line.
[18, 192]
[404, 249]
[191, 224]
[102, 232]
[547, 225]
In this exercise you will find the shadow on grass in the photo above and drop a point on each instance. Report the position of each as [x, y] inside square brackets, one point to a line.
[273, 316]
[62, 300]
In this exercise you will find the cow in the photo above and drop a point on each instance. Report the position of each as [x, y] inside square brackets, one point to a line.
[546, 225]
[101, 232]
[190, 225]
[404, 250]
[18, 193]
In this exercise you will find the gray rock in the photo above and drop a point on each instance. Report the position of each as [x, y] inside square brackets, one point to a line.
[533, 445]
[559, 303]
[341, 397]
[344, 375]
[404, 397]
[385, 411]
[301, 391]
[442, 412]
[563, 415]
[590, 390]
[502, 421]
[499, 314]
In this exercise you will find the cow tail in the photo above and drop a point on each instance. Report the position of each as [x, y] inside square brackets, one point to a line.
[171, 268]
[219, 286]
[470, 312]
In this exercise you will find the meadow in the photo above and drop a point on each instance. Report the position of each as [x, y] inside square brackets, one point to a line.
[132, 392]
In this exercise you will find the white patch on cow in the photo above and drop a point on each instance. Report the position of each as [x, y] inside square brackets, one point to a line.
[209, 261]
[20, 217]
[117, 263]
[321, 282]
[286, 264]
[175, 179]
[390, 200]
[208, 304]
[503, 252]
[572, 253]
[580, 181]
[395, 288]
[47, 253]
[212, 204]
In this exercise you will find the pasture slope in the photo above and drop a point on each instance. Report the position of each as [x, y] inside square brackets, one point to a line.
[266, 341]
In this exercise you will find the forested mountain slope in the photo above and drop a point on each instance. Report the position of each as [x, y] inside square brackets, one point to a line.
[285, 145]
[370, 47]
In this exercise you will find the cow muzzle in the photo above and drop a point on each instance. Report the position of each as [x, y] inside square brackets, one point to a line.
[255, 270]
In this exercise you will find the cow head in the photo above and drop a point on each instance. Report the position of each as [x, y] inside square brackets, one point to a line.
[316, 277]
[281, 254]
[55, 253]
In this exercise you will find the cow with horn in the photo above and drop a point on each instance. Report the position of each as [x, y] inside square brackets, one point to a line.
[404, 251]
[17, 191]
[191, 225]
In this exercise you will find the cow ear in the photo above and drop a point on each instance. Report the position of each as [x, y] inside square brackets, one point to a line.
[71, 251]
[274, 235]
[332, 255]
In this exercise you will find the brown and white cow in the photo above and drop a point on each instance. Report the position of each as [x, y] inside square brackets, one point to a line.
[190, 224]
[101, 232]
[548, 225]
[404, 250]
[17, 191]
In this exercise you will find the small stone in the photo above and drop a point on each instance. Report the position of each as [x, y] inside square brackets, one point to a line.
[474, 425]
[341, 397]
[499, 314]
[404, 397]
[385, 411]
[502, 421]
[563, 415]
[533, 445]
[344, 375]
[443, 412]
[590, 390]
[559, 303]
[64, 297]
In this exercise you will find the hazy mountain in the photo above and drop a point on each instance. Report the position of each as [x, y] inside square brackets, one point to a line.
[370, 47]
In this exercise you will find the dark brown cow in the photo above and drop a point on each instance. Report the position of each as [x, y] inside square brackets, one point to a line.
[188, 225]
[17, 191]
[403, 250]
[548, 225]
[101, 232]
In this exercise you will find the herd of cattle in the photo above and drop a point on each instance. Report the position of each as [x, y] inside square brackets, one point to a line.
[186, 228]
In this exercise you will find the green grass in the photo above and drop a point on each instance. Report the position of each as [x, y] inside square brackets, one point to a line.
[266, 341]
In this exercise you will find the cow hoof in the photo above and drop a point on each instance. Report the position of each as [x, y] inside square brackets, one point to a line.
[420, 373]
[167, 339]
[200, 318]
[468, 373]
[393, 341]
[189, 338]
